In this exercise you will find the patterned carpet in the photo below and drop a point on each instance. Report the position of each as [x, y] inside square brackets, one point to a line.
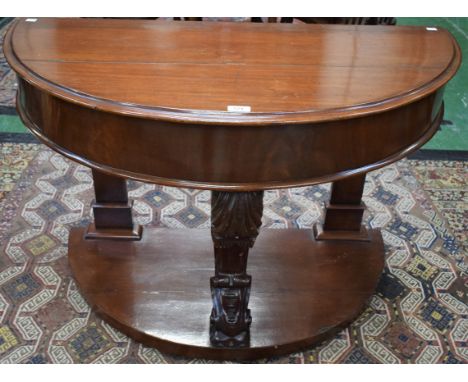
[419, 313]
[7, 77]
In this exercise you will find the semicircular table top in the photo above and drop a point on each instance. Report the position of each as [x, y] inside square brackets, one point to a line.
[283, 73]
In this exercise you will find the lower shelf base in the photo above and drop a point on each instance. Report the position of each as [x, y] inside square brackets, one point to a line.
[157, 290]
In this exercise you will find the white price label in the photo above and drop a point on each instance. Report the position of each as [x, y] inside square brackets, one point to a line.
[239, 109]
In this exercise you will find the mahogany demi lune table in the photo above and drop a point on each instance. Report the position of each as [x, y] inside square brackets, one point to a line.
[236, 109]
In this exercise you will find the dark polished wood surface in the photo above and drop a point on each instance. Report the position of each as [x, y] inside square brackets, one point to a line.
[148, 100]
[235, 222]
[224, 150]
[112, 210]
[307, 71]
[158, 292]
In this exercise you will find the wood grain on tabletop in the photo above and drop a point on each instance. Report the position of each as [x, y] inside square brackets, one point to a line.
[273, 68]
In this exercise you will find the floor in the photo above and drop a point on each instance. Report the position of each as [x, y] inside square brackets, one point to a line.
[418, 313]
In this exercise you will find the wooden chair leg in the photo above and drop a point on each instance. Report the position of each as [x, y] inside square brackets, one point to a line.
[112, 210]
[343, 215]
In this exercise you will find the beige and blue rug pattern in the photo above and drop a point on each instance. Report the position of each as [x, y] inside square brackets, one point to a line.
[419, 313]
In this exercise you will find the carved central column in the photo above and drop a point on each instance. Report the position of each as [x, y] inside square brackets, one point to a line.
[235, 221]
